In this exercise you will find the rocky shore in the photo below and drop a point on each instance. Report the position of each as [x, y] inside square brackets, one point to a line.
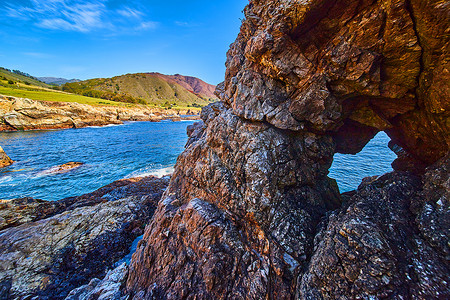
[49, 248]
[25, 114]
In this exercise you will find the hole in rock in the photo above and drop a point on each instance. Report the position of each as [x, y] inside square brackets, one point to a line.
[374, 159]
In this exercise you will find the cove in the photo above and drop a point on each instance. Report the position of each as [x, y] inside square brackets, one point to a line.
[134, 149]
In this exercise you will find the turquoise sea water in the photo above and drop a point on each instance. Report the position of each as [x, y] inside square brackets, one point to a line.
[133, 149]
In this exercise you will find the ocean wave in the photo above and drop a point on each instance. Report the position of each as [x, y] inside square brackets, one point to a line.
[151, 172]
[103, 126]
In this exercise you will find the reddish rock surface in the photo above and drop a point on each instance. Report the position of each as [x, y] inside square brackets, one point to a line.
[4, 159]
[250, 212]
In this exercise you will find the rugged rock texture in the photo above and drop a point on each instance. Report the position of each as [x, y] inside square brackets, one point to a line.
[25, 210]
[4, 159]
[26, 114]
[391, 242]
[62, 245]
[250, 212]
[346, 68]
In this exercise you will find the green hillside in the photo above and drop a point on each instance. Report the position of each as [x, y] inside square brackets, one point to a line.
[21, 86]
[139, 88]
[21, 77]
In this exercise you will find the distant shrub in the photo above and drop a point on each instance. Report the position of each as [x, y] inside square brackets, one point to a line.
[10, 82]
[26, 82]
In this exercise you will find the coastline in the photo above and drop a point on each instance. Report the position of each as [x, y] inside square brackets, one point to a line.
[22, 114]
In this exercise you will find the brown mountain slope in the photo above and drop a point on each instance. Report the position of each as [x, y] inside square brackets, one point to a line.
[197, 86]
[150, 88]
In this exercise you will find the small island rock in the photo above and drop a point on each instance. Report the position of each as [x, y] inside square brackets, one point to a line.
[4, 159]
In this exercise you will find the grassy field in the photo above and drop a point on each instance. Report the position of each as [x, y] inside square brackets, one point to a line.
[47, 95]
[44, 94]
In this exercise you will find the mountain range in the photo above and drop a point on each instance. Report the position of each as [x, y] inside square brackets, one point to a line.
[57, 80]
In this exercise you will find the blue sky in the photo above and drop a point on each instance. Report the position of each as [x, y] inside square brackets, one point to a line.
[104, 38]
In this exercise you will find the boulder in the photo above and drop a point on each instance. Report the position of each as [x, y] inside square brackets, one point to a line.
[4, 159]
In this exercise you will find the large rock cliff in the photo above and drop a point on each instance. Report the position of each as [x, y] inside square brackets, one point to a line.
[250, 212]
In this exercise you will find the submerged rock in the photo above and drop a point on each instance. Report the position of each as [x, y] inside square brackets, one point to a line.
[66, 167]
[4, 159]
[62, 245]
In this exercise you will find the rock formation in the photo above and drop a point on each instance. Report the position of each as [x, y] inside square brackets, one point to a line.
[65, 167]
[49, 248]
[4, 159]
[26, 114]
[250, 212]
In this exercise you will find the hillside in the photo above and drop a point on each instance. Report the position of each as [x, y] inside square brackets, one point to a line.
[57, 80]
[18, 76]
[150, 88]
[23, 85]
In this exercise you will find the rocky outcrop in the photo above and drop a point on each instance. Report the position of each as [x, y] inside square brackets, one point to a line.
[250, 212]
[4, 159]
[26, 114]
[49, 248]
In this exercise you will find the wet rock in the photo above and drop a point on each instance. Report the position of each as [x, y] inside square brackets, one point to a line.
[67, 167]
[4, 159]
[47, 257]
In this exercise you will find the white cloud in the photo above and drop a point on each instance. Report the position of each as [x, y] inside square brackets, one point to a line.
[37, 54]
[80, 16]
[186, 24]
[147, 25]
[130, 13]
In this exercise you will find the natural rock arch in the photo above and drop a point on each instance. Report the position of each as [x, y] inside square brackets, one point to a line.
[250, 211]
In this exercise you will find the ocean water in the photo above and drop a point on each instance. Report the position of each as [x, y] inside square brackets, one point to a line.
[134, 149]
